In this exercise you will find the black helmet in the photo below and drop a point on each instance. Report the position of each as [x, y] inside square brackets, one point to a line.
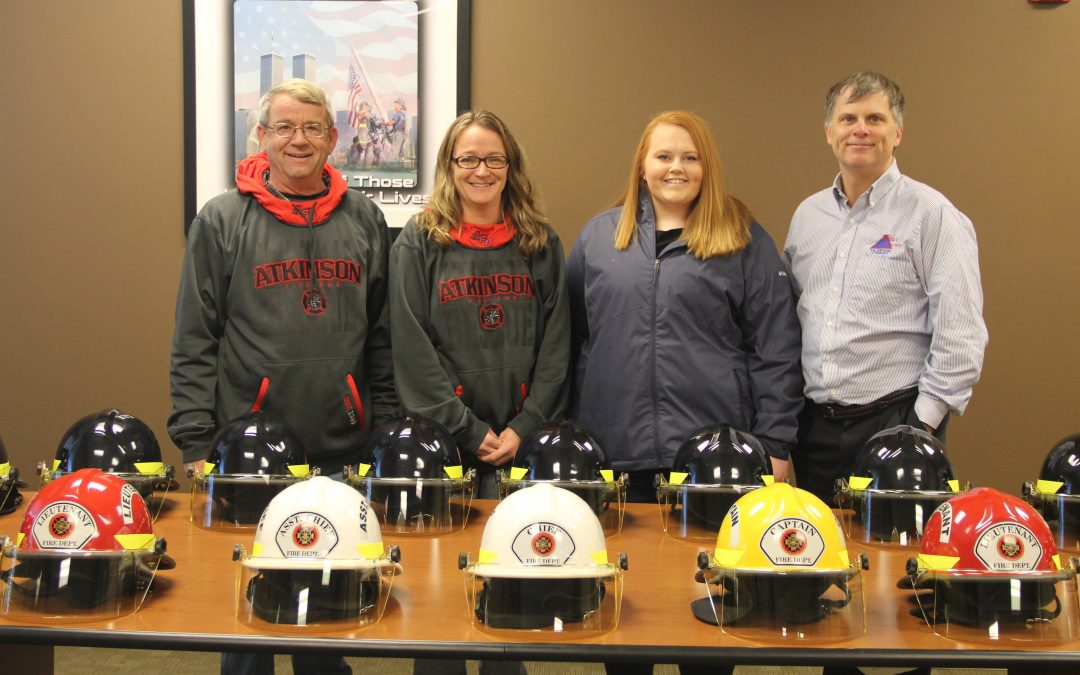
[713, 468]
[252, 458]
[1056, 495]
[565, 454]
[114, 442]
[9, 483]
[411, 474]
[900, 476]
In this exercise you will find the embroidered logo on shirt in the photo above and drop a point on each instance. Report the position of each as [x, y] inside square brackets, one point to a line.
[314, 302]
[492, 317]
[885, 246]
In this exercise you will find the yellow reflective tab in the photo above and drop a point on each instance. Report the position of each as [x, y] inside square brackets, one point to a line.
[454, 472]
[1057, 561]
[487, 556]
[362, 469]
[299, 470]
[150, 468]
[954, 485]
[207, 468]
[55, 465]
[518, 472]
[677, 477]
[608, 475]
[768, 479]
[5, 469]
[727, 557]
[256, 550]
[19, 539]
[372, 551]
[859, 482]
[937, 562]
[135, 542]
[599, 557]
[1048, 487]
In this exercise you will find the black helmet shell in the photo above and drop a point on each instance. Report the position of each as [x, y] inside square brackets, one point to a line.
[109, 440]
[904, 458]
[1062, 465]
[412, 447]
[722, 455]
[256, 444]
[562, 451]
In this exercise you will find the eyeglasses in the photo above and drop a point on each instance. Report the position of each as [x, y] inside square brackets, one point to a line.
[286, 130]
[470, 162]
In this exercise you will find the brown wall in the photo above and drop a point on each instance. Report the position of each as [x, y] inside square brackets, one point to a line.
[90, 240]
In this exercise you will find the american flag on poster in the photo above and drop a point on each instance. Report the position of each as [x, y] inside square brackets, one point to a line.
[354, 97]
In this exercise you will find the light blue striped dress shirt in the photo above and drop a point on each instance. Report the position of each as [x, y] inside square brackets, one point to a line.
[890, 296]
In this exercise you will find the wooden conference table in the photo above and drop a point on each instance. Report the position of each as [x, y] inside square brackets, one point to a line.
[427, 613]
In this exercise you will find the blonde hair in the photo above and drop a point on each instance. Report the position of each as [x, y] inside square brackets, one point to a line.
[518, 197]
[718, 223]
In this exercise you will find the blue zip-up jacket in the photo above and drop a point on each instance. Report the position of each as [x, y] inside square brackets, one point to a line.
[663, 346]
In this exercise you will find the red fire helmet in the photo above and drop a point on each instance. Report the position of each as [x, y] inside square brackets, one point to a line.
[986, 532]
[88, 510]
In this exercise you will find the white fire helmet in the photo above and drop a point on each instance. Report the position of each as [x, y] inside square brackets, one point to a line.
[543, 565]
[318, 561]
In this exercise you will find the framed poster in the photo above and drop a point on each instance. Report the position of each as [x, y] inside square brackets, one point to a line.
[396, 72]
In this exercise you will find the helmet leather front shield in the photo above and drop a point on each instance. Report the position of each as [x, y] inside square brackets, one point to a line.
[234, 501]
[423, 506]
[1031, 608]
[606, 498]
[888, 517]
[330, 595]
[695, 512]
[795, 605]
[73, 586]
[582, 600]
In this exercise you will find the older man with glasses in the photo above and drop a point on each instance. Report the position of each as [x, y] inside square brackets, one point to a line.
[282, 307]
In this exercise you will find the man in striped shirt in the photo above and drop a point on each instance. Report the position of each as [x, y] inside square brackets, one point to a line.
[890, 297]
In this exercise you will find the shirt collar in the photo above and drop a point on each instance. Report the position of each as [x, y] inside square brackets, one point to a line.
[879, 188]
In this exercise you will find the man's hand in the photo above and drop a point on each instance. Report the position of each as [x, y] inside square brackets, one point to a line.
[508, 442]
[779, 470]
[489, 445]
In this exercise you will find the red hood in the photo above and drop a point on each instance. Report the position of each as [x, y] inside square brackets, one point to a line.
[250, 179]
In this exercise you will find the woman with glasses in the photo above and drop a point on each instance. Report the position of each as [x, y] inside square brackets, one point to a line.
[478, 307]
[683, 312]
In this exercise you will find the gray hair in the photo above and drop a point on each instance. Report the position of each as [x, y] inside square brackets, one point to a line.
[862, 85]
[304, 91]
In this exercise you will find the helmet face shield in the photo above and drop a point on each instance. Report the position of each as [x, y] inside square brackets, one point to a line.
[233, 502]
[1035, 607]
[606, 498]
[1061, 513]
[73, 586]
[427, 506]
[320, 594]
[579, 601]
[695, 512]
[889, 517]
[817, 605]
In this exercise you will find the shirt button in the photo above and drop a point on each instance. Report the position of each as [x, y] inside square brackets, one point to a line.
[851, 221]
[835, 289]
[832, 392]
[843, 254]
[828, 322]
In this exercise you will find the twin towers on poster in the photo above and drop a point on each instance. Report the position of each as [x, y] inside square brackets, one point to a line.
[366, 56]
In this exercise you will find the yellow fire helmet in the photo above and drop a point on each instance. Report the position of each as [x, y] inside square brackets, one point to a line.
[781, 570]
